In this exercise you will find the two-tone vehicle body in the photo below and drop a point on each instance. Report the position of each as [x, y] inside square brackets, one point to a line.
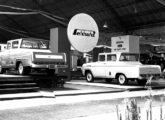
[120, 66]
[27, 54]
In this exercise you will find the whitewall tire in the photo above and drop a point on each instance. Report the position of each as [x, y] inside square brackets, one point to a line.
[122, 80]
[89, 77]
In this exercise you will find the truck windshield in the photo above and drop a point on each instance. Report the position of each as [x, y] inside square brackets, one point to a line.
[34, 44]
[129, 57]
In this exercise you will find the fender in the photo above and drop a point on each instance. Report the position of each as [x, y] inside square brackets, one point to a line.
[25, 61]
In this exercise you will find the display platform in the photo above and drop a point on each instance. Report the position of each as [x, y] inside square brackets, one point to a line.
[12, 83]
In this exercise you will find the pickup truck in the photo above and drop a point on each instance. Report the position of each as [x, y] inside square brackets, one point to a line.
[120, 66]
[30, 54]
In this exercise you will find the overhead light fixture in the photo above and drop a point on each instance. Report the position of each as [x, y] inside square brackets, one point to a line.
[135, 10]
[105, 25]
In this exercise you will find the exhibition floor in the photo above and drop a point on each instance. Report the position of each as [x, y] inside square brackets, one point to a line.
[79, 100]
[79, 107]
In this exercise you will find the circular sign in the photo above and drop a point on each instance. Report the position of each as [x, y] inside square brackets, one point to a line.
[83, 32]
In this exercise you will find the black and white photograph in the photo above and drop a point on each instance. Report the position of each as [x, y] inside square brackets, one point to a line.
[82, 60]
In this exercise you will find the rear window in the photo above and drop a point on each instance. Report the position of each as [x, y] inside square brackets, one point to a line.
[34, 44]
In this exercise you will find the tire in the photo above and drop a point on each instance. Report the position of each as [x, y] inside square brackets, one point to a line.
[162, 66]
[122, 80]
[89, 77]
[108, 80]
[142, 82]
[2, 70]
[51, 71]
[23, 70]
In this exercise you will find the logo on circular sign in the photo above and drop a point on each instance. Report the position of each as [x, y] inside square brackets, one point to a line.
[83, 32]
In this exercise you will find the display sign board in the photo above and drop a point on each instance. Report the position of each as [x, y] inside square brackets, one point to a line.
[125, 43]
[83, 32]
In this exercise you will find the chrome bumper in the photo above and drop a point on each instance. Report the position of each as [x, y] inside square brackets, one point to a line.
[50, 66]
[147, 76]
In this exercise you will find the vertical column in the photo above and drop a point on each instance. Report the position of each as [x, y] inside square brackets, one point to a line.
[59, 43]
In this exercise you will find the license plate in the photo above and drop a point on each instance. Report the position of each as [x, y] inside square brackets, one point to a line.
[51, 66]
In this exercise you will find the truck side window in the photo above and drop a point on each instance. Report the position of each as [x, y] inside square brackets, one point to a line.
[15, 44]
[111, 57]
[102, 58]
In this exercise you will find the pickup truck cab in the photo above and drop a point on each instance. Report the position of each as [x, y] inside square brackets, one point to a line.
[120, 66]
[27, 54]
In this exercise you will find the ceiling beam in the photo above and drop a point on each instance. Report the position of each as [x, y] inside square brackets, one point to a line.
[43, 8]
[129, 3]
[151, 23]
[7, 37]
[118, 6]
[161, 2]
[115, 14]
[27, 32]
[17, 24]
[143, 13]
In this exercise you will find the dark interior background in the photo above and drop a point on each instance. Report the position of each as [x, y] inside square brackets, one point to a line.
[35, 18]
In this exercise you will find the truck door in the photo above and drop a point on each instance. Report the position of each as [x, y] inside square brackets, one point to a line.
[99, 71]
[110, 65]
[13, 53]
[6, 56]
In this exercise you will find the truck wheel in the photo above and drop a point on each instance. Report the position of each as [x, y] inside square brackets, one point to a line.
[108, 80]
[122, 80]
[162, 66]
[23, 70]
[142, 82]
[2, 70]
[89, 77]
